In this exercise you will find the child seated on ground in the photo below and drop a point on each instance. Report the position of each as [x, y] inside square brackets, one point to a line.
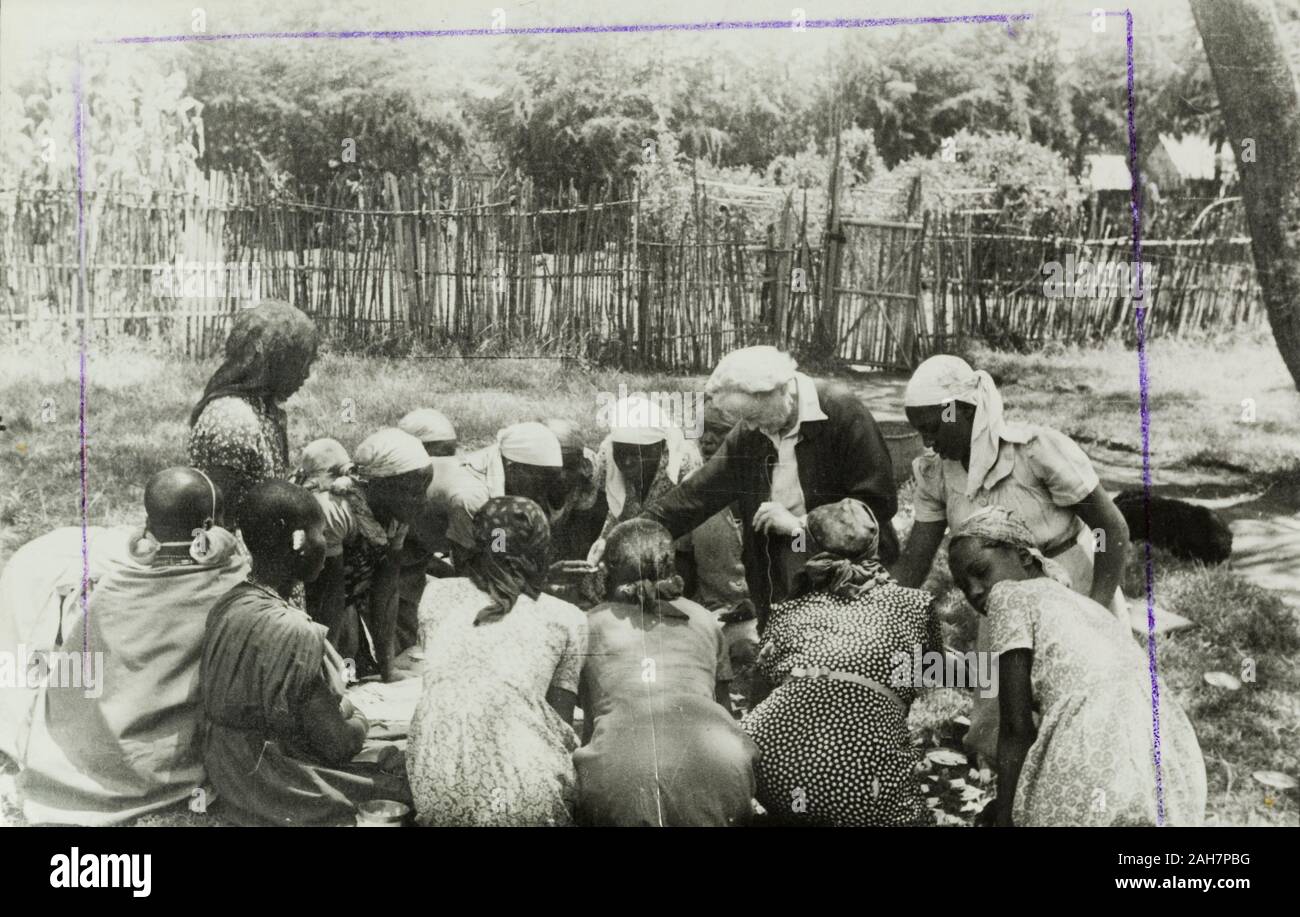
[278, 734]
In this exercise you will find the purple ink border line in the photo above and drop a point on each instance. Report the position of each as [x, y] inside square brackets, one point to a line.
[1135, 198]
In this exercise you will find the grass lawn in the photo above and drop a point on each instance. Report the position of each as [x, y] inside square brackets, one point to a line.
[139, 401]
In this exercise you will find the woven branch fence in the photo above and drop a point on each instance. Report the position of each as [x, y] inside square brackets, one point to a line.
[480, 265]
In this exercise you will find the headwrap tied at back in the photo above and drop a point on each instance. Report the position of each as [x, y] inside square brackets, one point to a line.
[264, 341]
[389, 452]
[944, 378]
[849, 537]
[324, 462]
[512, 546]
[639, 567]
[1001, 526]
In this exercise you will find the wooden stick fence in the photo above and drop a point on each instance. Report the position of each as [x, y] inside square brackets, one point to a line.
[485, 266]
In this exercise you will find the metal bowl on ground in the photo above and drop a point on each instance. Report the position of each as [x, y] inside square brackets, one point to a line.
[904, 444]
[382, 813]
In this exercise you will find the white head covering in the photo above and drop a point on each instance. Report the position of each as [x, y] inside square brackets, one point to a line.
[323, 462]
[530, 443]
[428, 426]
[658, 427]
[389, 452]
[944, 378]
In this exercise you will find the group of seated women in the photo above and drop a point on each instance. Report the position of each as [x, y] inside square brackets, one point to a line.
[410, 560]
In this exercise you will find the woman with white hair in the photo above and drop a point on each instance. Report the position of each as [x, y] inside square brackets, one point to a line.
[796, 444]
[980, 459]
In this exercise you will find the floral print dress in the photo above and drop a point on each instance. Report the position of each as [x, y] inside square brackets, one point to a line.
[486, 749]
[242, 435]
[1093, 762]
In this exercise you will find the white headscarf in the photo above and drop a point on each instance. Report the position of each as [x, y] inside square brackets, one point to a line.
[389, 452]
[323, 462]
[659, 428]
[529, 443]
[428, 426]
[945, 378]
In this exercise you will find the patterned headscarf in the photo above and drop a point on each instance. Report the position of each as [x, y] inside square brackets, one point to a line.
[1001, 526]
[263, 342]
[848, 565]
[512, 546]
[945, 378]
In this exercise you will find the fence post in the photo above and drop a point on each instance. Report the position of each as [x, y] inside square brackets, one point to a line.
[784, 262]
[829, 323]
[642, 283]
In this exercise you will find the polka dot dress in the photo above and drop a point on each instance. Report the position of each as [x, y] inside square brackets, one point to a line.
[835, 752]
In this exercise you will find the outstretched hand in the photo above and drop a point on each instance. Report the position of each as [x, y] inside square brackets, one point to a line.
[775, 519]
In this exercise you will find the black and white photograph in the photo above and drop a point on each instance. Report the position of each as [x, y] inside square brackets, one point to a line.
[611, 414]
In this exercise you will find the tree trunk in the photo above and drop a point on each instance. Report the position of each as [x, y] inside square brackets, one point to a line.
[1261, 110]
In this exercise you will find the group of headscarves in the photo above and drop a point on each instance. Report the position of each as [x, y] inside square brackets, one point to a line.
[326, 468]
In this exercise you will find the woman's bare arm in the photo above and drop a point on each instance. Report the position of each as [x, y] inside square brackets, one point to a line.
[1099, 513]
[1016, 732]
[563, 702]
[918, 556]
[332, 735]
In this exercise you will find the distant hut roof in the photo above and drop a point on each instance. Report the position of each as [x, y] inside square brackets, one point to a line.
[1108, 172]
[1194, 156]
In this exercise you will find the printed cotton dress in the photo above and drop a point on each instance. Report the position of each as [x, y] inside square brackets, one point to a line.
[837, 752]
[1093, 762]
[486, 749]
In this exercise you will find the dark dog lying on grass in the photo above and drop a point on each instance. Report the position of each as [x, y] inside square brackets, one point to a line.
[1183, 529]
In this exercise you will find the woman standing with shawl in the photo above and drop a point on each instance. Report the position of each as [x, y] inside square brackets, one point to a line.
[979, 460]
[833, 733]
[1092, 759]
[492, 735]
[661, 746]
[644, 456]
[239, 430]
[278, 733]
[368, 505]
